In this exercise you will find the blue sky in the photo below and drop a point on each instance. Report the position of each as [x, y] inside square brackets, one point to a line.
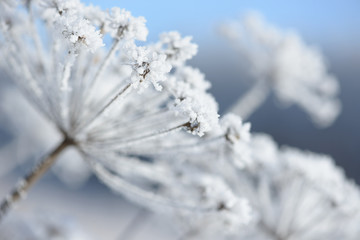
[320, 20]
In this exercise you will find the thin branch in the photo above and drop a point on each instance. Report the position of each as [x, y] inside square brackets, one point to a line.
[251, 101]
[119, 142]
[103, 65]
[39, 170]
[134, 224]
[269, 231]
[101, 111]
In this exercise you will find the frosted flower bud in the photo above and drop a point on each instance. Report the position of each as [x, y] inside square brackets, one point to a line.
[234, 129]
[216, 192]
[177, 49]
[186, 79]
[237, 135]
[148, 67]
[81, 34]
[122, 25]
[237, 215]
[231, 211]
[201, 109]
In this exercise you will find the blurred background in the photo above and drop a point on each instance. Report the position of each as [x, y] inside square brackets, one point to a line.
[332, 26]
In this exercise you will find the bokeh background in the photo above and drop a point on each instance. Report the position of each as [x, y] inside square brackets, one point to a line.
[332, 26]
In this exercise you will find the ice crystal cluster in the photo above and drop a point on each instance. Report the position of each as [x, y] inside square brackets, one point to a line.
[280, 61]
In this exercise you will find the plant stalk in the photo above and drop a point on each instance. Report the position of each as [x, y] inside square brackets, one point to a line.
[251, 101]
[38, 171]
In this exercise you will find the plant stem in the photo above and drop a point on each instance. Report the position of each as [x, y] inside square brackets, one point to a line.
[270, 232]
[103, 65]
[251, 101]
[23, 185]
[134, 226]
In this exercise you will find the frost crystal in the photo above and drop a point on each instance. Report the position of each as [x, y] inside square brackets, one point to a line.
[235, 129]
[202, 112]
[81, 33]
[71, 24]
[148, 67]
[237, 134]
[177, 49]
[123, 25]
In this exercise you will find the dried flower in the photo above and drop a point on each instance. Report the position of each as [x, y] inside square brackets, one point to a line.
[298, 194]
[281, 61]
[88, 92]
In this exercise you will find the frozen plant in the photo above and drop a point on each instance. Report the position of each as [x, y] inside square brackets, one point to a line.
[281, 62]
[182, 177]
[294, 194]
[298, 195]
[190, 171]
[111, 104]
[201, 167]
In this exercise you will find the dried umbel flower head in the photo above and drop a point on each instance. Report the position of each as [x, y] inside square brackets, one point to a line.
[293, 194]
[298, 195]
[108, 103]
[282, 62]
[198, 167]
[227, 212]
